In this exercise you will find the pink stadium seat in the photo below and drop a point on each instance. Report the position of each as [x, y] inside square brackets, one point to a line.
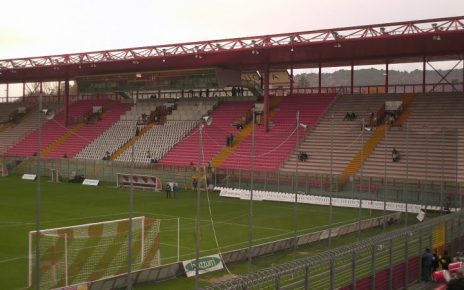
[214, 136]
[273, 148]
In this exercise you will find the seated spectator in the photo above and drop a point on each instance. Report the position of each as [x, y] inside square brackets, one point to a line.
[353, 116]
[230, 140]
[347, 117]
[137, 131]
[302, 156]
[395, 155]
[153, 161]
[65, 155]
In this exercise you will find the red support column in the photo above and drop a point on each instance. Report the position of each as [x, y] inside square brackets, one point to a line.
[7, 92]
[24, 91]
[291, 79]
[320, 79]
[59, 91]
[463, 75]
[386, 77]
[423, 74]
[66, 102]
[266, 98]
[352, 78]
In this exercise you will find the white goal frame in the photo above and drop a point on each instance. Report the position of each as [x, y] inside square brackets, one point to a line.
[53, 232]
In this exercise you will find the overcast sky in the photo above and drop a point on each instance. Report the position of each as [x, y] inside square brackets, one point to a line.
[34, 28]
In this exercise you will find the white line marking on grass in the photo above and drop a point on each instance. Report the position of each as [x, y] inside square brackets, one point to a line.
[62, 220]
[12, 259]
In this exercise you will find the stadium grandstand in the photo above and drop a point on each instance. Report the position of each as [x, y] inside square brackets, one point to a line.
[226, 117]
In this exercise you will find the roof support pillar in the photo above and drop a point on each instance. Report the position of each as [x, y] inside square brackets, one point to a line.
[386, 77]
[462, 86]
[266, 98]
[352, 79]
[424, 63]
[291, 79]
[7, 92]
[66, 102]
[24, 91]
[59, 91]
[319, 79]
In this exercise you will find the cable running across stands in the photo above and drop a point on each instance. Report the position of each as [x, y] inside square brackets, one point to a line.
[349, 146]
[70, 131]
[209, 209]
[260, 155]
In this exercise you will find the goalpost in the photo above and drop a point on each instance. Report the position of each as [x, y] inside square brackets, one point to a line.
[87, 252]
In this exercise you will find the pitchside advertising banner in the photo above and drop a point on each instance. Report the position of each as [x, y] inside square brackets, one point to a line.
[206, 264]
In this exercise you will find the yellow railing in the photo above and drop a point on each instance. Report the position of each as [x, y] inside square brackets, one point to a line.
[62, 139]
[129, 143]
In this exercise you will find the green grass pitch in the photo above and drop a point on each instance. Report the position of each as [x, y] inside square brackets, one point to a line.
[67, 204]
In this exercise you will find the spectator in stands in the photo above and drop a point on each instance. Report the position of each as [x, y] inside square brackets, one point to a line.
[234, 92]
[347, 117]
[230, 140]
[395, 155]
[302, 156]
[191, 164]
[426, 271]
[445, 260]
[436, 261]
[65, 155]
[353, 116]
[167, 188]
[107, 156]
[207, 93]
[137, 131]
[148, 154]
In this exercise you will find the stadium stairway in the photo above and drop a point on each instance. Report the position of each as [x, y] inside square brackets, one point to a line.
[219, 159]
[26, 125]
[63, 138]
[343, 135]
[407, 100]
[355, 165]
[359, 159]
[272, 148]
[229, 150]
[88, 132]
[52, 129]
[5, 126]
[129, 143]
[429, 144]
[214, 136]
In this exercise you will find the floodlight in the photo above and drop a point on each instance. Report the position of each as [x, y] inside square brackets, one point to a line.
[49, 114]
[207, 119]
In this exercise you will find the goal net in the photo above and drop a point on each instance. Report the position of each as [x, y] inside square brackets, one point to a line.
[82, 253]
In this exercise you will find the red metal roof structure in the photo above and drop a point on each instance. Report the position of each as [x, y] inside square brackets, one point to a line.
[400, 42]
